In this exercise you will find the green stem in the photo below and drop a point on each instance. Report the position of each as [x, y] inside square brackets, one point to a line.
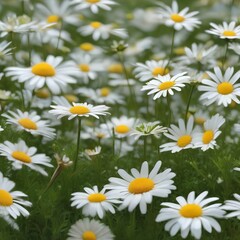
[169, 110]
[171, 51]
[29, 50]
[13, 48]
[113, 143]
[188, 103]
[225, 55]
[144, 148]
[59, 36]
[78, 143]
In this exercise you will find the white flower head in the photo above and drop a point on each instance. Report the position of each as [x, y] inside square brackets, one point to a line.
[140, 187]
[191, 215]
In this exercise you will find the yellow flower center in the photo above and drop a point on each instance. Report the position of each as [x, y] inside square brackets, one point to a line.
[191, 211]
[79, 110]
[166, 85]
[95, 24]
[229, 33]
[177, 18]
[200, 120]
[21, 156]
[225, 88]
[43, 69]
[28, 123]
[71, 98]
[86, 47]
[115, 68]
[93, 1]
[140, 185]
[43, 93]
[207, 136]
[159, 71]
[53, 19]
[100, 135]
[104, 91]
[5, 198]
[84, 67]
[96, 197]
[89, 235]
[184, 140]
[122, 128]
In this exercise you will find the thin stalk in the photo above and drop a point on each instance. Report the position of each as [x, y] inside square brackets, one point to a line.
[23, 7]
[144, 148]
[29, 50]
[189, 100]
[78, 143]
[225, 55]
[169, 110]
[171, 51]
[13, 48]
[113, 142]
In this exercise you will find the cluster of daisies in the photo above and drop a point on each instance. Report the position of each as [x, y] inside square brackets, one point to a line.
[68, 60]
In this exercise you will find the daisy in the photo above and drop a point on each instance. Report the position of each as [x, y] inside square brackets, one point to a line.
[94, 202]
[12, 202]
[87, 229]
[191, 214]
[235, 47]
[122, 126]
[198, 53]
[183, 136]
[54, 11]
[146, 129]
[171, 16]
[222, 89]
[77, 109]
[87, 67]
[4, 50]
[93, 5]
[164, 85]
[14, 24]
[54, 73]
[140, 187]
[234, 206]
[207, 139]
[151, 69]
[30, 122]
[225, 31]
[20, 154]
[93, 152]
[99, 30]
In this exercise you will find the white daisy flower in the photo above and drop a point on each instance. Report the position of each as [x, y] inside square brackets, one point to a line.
[54, 11]
[151, 69]
[77, 109]
[140, 187]
[54, 73]
[15, 24]
[87, 67]
[222, 89]
[89, 48]
[191, 214]
[225, 31]
[122, 126]
[198, 53]
[20, 154]
[93, 152]
[164, 85]
[149, 128]
[233, 206]
[207, 139]
[235, 47]
[94, 202]
[93, 5]
[30, 122]
[87, 229]
[12, 202]
[99, 30]
[183, 136]
[4, 50]
[171, 16]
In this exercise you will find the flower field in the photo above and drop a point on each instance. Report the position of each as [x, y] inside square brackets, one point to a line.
[119, 120]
